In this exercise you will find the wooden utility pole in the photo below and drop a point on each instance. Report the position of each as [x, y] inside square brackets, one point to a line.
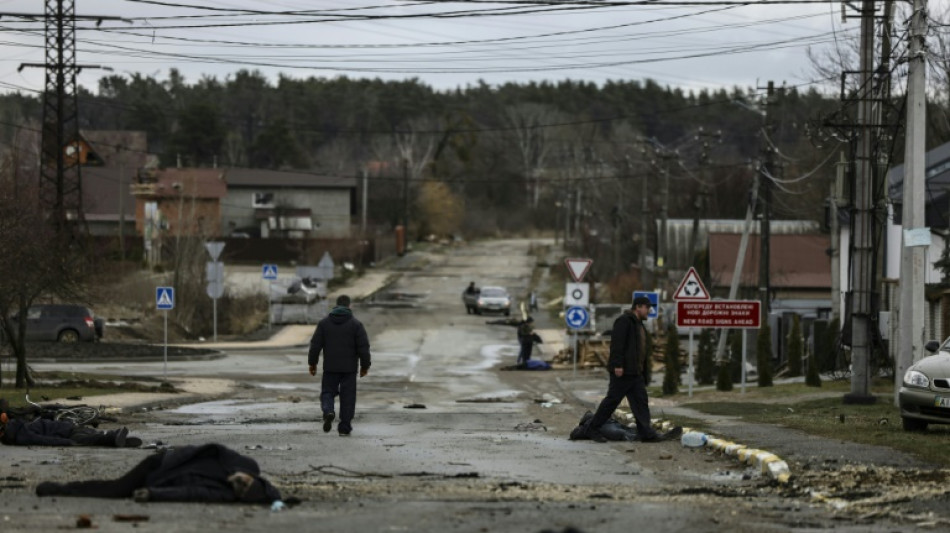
[765, 233]
[862, 221]
[916, 237]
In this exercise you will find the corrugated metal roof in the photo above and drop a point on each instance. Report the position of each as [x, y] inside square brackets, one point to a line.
[260, 177]
[795, 261]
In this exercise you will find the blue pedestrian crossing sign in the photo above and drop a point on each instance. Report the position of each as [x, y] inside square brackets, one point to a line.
[576, 317]
[165, 297]
[269, 271]
[654, 299]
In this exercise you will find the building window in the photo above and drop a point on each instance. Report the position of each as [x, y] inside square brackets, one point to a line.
[263, 199]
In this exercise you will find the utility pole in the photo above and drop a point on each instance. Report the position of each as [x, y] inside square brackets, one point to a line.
[833, 203]
[701, 202]
[405, 197]
[916, 237]
[644, 221]
[862, 222]
[740, 258]
[765, 233]
[60, 181]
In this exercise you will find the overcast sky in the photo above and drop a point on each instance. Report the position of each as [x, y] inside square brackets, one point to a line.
[692, 47]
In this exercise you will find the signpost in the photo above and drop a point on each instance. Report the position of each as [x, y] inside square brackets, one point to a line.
[694, 309]
[269, 273]
[215, 275]
[577, 298]
[577, 318]
[690, 289]
[165, 300]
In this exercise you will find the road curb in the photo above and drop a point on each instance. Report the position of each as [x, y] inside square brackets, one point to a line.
[767, 462]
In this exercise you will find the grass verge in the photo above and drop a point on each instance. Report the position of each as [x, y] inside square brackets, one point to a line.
[822, 412]
[84, 387]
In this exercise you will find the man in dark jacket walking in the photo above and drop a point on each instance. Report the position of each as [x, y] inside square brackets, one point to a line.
[627, 365]
[344, 343]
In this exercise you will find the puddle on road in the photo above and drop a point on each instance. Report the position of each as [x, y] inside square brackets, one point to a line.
[279, 386]
[222, 407]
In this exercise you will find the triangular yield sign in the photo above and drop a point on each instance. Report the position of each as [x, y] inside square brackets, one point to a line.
[578, 267]
[691, 288]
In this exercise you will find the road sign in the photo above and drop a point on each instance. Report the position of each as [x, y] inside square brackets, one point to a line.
[164, 298]
[214, 271]
[724, 314]
[577, 317]
[215, 289]
[577, 294]
[654, 300]
[691, 288]
[578, 268]
[269, 271]
[214, 249]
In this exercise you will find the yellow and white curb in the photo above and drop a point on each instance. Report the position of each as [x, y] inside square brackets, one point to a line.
[768, 463]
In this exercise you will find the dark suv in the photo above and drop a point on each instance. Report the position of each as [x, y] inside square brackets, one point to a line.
[62, 323]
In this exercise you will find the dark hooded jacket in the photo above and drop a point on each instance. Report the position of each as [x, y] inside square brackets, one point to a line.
[200, 474]
[628, 345]
[343, 341]
[39, 432]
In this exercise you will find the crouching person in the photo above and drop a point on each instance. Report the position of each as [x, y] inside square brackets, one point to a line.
[206, 473]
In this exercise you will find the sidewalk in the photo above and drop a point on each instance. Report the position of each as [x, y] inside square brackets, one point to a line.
[298, 335]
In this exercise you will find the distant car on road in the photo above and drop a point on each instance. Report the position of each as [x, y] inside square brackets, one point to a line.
[488, 299]
[924, 396]
[62, 323]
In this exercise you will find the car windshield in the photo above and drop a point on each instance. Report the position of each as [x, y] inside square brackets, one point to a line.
[494, 292]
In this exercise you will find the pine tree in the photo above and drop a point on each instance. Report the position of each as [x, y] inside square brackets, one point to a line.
[763, 356]
[795, 348]
[705, 368]
[671, 377]
[724, 378]
[673, 349]
[812, 377]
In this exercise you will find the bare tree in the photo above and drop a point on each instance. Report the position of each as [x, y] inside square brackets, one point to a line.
[36, 261]
[534, 129]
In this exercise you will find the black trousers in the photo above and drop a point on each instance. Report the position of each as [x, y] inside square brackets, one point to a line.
[342, 384]
[634, 389]
[525, 354]
[122, 487]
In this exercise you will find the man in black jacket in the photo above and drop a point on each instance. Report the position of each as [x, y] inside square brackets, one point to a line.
[627, 366]
[344, 343]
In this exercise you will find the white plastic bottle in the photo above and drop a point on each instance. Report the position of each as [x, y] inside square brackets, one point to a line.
[694, 439]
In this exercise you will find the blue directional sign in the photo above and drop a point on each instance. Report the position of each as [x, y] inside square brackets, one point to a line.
[654, 299]
[269, 271]
[165, 297]
[577, 317]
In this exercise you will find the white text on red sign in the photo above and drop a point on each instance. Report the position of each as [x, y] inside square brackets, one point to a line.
[727, 314]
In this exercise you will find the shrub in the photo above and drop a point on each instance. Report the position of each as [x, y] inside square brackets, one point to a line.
[763, 356]
[795, 347]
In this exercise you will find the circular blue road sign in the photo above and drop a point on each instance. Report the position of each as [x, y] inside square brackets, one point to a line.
[576, 317]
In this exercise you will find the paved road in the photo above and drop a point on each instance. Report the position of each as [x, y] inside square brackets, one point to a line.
[483, 455]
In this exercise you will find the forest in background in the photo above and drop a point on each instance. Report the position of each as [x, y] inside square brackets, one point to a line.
[488, 160]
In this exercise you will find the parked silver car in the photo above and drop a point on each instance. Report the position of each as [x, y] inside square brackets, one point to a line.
[62, 323]
[488, 299]
[924, 396]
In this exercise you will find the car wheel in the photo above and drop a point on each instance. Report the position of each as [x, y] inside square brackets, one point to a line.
[507, 312]
[68, 336]
[912, 424]
[478, 311]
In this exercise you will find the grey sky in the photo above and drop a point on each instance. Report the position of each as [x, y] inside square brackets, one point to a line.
[686, 46]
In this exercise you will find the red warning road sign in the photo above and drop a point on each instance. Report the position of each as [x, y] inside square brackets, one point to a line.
[725, 314]
[691, 288]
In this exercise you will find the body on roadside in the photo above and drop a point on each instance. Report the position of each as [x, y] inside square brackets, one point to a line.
[205, 473]
[345, 346]
[43, 432]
